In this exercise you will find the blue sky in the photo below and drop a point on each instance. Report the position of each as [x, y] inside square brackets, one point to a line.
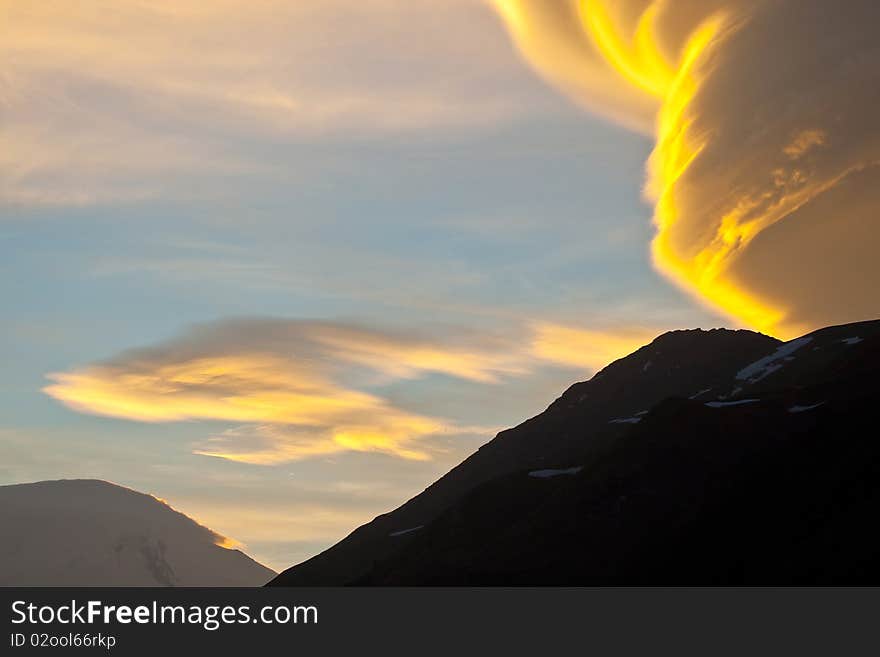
[468, 214]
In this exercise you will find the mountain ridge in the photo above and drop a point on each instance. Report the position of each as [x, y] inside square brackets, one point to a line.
[776, 490]
[587, 420]
[91, 532]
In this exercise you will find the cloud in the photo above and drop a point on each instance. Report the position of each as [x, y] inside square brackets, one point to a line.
[550, 35]
[590, 349]
[292, 389]
[765, 170]
[297, 386]
[108, 101]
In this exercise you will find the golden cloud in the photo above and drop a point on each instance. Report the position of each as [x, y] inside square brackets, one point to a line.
[299, 389]
[283, 381]
[590, 349]
[757, 122]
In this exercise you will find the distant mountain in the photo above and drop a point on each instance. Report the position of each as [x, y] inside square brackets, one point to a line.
[706, 457]
[84, 532]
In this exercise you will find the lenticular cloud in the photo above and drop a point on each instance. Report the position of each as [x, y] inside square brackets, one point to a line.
[765, 176]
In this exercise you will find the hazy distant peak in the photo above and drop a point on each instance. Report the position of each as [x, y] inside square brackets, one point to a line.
[81, 532]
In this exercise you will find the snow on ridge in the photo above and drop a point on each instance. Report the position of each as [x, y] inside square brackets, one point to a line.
[769, 364]
[851, 341]
[700, 393]
[401, 532]
[802, 409]
[546, 474]
[723, 404]
[625, 420]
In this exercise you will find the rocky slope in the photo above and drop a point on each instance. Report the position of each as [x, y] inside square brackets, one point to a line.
[775, 482]
[577, 430]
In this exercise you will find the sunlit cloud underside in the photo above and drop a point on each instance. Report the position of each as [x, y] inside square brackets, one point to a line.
[755, 123]
[291, 390]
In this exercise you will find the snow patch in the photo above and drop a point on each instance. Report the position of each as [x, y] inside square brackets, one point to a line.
[700, 393]
[733, 393]
[769, 364]
[646, 366]
[851, 341]
[401, 532]
[738, 402]
[625, 420]
[546, 474]
[801, 409]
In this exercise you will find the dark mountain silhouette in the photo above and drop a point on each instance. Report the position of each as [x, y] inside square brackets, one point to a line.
[776, 485]
[84, 532]
[705, 457]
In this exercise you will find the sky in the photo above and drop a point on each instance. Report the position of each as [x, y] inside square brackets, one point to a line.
[283, 264]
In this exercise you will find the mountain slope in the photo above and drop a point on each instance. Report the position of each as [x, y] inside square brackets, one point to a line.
[576, 429]
[782, 490]
[93, 533]
[779, 484]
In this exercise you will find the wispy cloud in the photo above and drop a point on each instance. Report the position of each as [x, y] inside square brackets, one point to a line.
[586, 348]
[108, 101]
[300, 389]
[294, 384]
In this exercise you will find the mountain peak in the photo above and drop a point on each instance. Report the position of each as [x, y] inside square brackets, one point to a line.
[687, 335]
[91, 532]
[577, 427]
[715, 456]
[679, 363]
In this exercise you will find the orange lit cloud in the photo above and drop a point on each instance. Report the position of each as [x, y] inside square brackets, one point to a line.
[298, 389]
[293, 385]
[589, 349]
[550, 36]
[762, 114]
[219, 539]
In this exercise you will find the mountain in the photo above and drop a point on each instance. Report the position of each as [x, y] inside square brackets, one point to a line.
[706, 457]
[84, 532]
